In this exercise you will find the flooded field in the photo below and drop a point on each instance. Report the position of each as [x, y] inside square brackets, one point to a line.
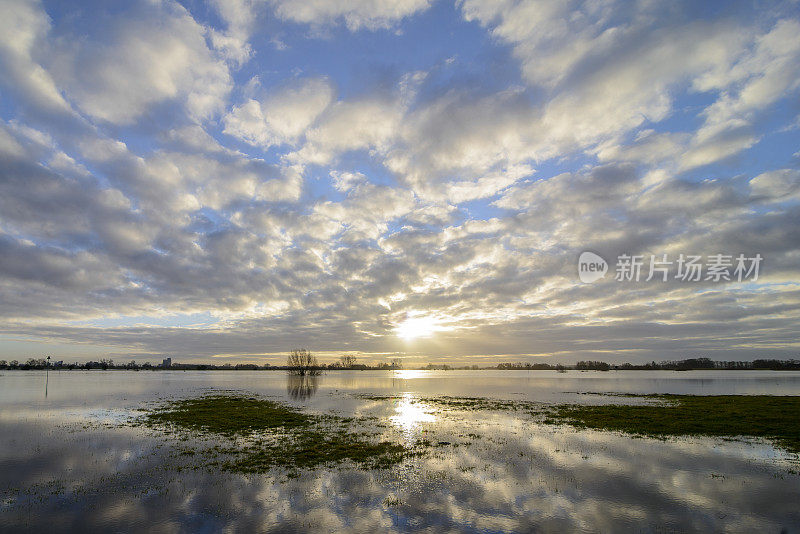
[75, 454]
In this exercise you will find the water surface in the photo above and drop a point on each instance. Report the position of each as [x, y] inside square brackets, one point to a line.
[68, 461]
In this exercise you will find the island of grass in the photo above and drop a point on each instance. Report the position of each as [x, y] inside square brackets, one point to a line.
[263, 434]
[776, 418]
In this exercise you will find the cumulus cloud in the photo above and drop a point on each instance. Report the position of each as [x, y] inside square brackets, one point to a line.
[460, 148]
[160, 161]
[280, 118]
[157, 52]
[239, 16]
[23, 45]
[611, 69]
[369, 14]
[363, 124]
[777, 184]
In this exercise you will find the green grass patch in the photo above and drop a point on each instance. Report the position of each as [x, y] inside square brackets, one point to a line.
[311, 449]
[275, 435]
[776, 418]
[229, 415]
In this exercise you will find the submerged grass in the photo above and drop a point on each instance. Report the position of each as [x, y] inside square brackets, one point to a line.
[311, 449]
[460, 403]
[275, 435]
[776, 418]
[261, 434]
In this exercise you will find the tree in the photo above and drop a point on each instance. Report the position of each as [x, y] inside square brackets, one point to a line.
[348, 361]
[592, 366]
[397, 363]
[302, 362]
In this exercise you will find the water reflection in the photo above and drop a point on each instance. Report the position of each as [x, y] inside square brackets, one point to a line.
[501, 471]
[514, 477]
[410, 414]
[409, 374]
[301, 387]
[76, 388]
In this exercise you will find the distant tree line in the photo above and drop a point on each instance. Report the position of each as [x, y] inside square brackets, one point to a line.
[678, 365]
[520, 366]
[300, 361]
[104, 364]
[349, 362]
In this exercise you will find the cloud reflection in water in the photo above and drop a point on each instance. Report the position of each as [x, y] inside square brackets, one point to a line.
[507, 473]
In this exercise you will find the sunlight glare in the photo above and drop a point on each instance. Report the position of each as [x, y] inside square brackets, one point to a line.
[410, 413]
[406, 374]
[418, 326]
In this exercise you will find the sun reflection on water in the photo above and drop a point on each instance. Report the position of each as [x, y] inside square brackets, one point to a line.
[411, 373]
[410, 413]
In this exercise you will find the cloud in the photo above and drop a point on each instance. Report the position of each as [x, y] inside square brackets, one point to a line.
[357, 14]
[610, 70]
[193, 138]
[280, 118]
[356, 215]
[766, 73]
[322, 205]
[453, 149]
[156, 53]
[777, 185]
[460, 148]
[23, 45]
[240, 17]
[369, 124]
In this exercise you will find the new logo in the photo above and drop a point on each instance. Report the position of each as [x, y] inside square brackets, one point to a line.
[591, 267]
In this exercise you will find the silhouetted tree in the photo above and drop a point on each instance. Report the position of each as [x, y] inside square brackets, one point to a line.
[302, 362]
[592, 366]
[348, 361]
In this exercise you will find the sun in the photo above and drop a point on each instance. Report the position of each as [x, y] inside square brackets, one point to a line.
[417, 326]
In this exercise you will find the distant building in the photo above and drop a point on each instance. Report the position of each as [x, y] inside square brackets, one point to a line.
[167, 363]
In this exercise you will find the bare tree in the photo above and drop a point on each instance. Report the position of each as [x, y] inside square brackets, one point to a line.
[302, 362]
[397, 363]
[348, 361]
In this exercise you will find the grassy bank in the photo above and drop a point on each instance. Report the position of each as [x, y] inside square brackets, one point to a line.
[776, 418]
[260, 434]
[254, 435]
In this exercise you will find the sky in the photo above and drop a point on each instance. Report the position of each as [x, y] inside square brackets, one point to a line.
[225, 181]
